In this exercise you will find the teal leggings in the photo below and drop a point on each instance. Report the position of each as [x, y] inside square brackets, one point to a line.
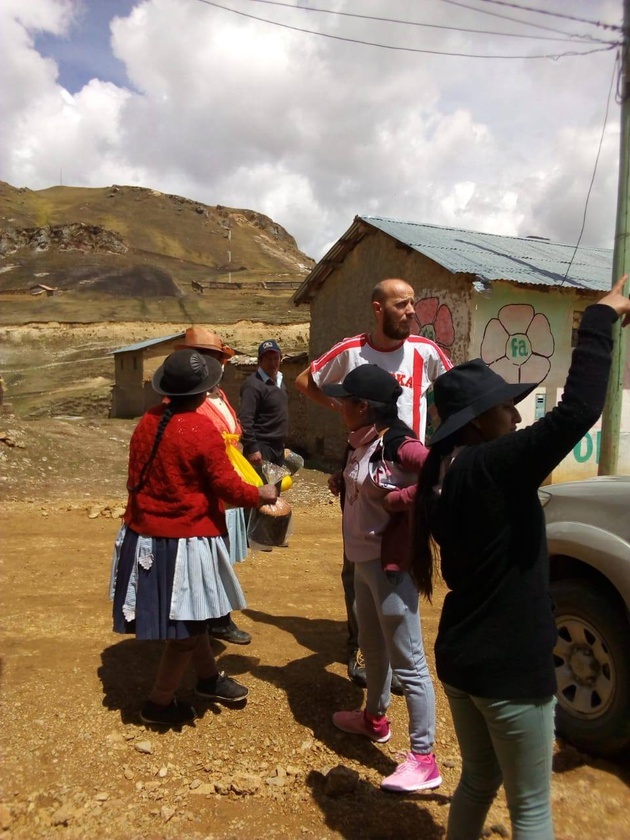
[502, 741]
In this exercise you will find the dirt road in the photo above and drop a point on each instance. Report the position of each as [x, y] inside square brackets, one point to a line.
[77, 763]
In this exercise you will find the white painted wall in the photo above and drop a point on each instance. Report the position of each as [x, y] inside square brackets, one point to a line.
[539, 323]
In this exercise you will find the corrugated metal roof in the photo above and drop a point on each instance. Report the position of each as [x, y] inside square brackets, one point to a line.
[530, 260]
[484, 256]
[142, 345]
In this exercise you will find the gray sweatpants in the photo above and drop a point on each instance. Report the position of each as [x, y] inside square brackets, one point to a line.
[389, 631]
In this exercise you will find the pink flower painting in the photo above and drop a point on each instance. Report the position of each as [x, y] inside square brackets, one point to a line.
[435, 321]
[518, 344]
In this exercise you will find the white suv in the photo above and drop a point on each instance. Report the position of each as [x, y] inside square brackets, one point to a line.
[588, 532]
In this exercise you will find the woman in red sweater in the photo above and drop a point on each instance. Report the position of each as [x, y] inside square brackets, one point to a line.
[217, 408]
[172, 570]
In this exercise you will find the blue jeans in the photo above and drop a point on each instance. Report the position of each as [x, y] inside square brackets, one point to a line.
[389, 631]
[502, 741]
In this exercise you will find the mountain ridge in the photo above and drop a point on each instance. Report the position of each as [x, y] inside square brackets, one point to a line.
[139, 254]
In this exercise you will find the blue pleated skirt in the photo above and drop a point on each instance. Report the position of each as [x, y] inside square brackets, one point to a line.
[167, 588]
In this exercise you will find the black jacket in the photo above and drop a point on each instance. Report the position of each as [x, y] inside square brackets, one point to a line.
[263, 414]
[497, 629]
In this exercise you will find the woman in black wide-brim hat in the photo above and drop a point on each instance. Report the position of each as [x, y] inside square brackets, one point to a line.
[477, 499]
[172, 569]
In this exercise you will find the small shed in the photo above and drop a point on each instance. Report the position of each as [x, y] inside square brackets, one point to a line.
[132, 393]
[516, 302]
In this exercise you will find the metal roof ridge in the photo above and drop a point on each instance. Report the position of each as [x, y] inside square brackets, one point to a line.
[531, 238]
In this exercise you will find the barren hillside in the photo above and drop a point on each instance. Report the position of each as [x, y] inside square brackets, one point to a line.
[85, 271]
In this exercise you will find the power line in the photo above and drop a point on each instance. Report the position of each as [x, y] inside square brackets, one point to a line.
[554, 14]
[601, 141]
[402, 49]
[568, 37]
[511, 19]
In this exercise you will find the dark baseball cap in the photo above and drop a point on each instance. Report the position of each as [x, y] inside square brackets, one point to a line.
[366, 382]
[267, 345]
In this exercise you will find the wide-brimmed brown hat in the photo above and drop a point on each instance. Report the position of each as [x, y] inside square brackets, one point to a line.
[198, 338]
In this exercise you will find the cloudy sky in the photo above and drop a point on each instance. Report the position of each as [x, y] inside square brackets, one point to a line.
[462, 124]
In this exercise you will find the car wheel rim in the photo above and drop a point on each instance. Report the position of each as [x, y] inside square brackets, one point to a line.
[584, 668]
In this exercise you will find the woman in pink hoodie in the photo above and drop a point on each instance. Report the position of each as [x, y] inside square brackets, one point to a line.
[383, 460]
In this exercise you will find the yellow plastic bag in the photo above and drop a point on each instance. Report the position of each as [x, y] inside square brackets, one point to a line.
[241, 464]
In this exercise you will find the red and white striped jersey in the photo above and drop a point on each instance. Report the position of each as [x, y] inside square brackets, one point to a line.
[415, 363]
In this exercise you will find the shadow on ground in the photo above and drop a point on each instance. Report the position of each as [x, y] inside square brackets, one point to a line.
[128, 669]
[371, 814]
[314, 693]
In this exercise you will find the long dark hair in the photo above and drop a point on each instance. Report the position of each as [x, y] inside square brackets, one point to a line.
[382, 413]
[169, 410]
[425, 551]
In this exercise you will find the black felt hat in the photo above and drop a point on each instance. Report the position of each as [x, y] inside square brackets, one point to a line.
[466, 391]
[366, 382]
[186, 372]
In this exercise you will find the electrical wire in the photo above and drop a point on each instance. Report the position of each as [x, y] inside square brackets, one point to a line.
[568, 37]
[511, 19]
[616, 74]
[554, 14]
[555, 56]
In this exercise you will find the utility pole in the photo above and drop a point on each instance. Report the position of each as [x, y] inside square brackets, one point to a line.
[230, 253]
[611, 418]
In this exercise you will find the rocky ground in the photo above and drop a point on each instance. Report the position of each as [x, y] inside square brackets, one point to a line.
[76, 761]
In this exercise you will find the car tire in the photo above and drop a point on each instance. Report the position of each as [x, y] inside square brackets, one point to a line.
[592, 659]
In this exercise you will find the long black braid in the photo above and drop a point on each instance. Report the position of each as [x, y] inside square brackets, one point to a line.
[164, 419]
[425, 553]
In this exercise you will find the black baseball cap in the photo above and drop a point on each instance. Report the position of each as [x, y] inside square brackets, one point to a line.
[366, 382]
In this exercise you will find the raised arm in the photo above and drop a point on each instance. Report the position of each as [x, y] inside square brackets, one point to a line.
[616, 299]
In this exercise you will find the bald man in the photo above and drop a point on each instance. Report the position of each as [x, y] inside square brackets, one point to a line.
[415, 361]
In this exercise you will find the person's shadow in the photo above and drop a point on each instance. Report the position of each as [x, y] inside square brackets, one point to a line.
[128, 670]
[314, 693]
[369, 814]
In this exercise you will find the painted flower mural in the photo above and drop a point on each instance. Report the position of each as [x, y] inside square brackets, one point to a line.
[435, 321]
[518, 344]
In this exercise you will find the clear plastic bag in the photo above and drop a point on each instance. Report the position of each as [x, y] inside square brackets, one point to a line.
[274, 473]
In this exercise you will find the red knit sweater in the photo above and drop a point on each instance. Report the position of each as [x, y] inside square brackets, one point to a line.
[186, 481]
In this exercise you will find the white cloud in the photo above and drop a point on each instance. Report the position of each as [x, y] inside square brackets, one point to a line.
[313, 131]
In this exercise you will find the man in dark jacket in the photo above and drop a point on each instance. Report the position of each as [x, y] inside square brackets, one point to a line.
[264, 412]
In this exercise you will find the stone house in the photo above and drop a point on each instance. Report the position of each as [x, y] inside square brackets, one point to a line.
[134, 366]
[515, 302]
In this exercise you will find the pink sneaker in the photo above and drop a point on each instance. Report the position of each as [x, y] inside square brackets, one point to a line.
[417, 772]
[360, 722]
